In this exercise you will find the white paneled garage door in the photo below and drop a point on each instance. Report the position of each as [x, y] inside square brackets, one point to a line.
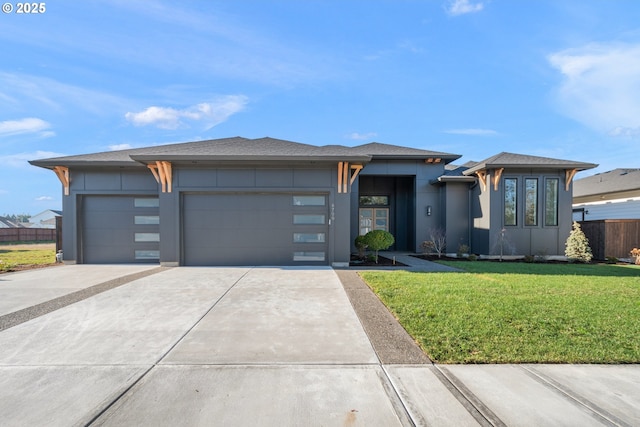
[255, 229]
[119, 229]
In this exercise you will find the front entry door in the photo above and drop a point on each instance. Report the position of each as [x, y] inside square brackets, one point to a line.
[373, 219]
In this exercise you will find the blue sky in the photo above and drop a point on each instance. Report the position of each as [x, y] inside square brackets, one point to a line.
[472, 77]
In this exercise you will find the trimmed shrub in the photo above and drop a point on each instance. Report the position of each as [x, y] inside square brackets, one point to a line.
[361, 245]
[378, 240]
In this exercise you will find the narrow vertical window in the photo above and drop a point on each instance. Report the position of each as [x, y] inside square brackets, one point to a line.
[551, 201]
[531, 201]
[510, 201]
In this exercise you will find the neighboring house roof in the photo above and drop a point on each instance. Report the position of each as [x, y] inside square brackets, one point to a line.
[44, 216]
[7, 223]
[242, 149]
[608, 183]
[511, 160]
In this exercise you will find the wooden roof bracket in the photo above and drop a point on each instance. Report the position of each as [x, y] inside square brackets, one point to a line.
[569, 174]
[62, 172]
[347, 174]
[163, 174]
[482, 178]
[355, 170]
[497, 173]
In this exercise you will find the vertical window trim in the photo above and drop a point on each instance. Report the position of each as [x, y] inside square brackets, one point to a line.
[527, 204]
[515, 202]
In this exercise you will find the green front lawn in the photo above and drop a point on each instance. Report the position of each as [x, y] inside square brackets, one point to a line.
[518, 313]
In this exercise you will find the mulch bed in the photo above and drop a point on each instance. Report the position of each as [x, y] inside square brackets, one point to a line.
[382, 262]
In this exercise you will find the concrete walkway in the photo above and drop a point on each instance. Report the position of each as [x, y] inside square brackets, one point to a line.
[268, 347]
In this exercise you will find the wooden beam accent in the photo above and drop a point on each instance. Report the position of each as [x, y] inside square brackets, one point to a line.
[482, 177]
[497, 173]
[569, 174]
[163, 174]
[339, 177]
[168, 173]
[345, 177]
[437, 160]
[62, 172]
[356, 170]
[154, 171]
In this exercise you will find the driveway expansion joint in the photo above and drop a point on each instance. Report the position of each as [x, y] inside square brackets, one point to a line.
[17, 317]
[591, 408]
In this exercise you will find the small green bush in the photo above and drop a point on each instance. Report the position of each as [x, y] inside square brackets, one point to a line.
[462, 250]
[611, 260]
[378, 240]
[361, 245]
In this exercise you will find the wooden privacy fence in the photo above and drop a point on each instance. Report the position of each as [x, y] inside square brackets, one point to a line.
[27, 234]
[612, 237]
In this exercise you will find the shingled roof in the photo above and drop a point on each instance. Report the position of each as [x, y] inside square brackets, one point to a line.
[519, 161]
[615, 181]
[242, 149]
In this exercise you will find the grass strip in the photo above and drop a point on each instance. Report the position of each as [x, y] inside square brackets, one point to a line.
[518, 313]
[12, 257]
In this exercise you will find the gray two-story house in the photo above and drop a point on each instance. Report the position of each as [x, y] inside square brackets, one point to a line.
[239, 201]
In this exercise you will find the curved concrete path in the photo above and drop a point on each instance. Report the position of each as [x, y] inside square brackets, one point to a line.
[271, 347]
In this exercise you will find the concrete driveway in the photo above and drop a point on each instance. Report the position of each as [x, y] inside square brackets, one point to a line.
[265, 346]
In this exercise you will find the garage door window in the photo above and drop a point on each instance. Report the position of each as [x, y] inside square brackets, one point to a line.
[147, 220]
[147, 237]
[308, 219]
[147, 202]
[308, 237]
[308, 256]
[308, 200]
[148, 255]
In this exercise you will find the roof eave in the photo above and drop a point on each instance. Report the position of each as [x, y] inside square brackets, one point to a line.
[447, 158]
[484, 166]
[248, 158]
[51, 163]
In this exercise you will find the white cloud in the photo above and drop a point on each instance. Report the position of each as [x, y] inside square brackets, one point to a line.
[31, 92]
[361, 136]
[472, 131]
[461, 7]
[601, 86]
[23, 126]
[209, 114]
[43, 198]
[20, 160]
